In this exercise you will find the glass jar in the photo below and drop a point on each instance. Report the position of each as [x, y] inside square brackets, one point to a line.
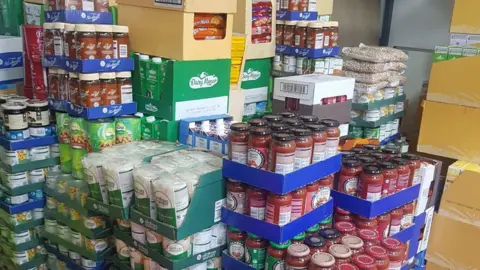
[273, 118]
[345, 228]
[364, 262]
[48, 48]
[279, 208]
[331, 236]
[414, 163]
[279, 128]
[288, 115]
[403, 171]
[407, 215]
[390, 176]
[257, 122]
[370, 183]
[311, 201]
[90, 90]
[236, 243]
[322, 261]
[301, 34]
[104, 40]
[85, 42]
[379, 156]
[366, 223]
[293, 122]
[69, 41]
[366, 159]
[298, 256]
[342, 215]
[279, 32]
[355, 243]
[299, 197]
[304, 147]
[294, 5]
[348, 176]
[282, 153]
[359, 150]
[372, 148]
[313, 231]
[299, 238]
[396, 221]
[333, 136]
[316, 244]
[333, 33]
[383, 227]
[396, 252]
[289, 33]
[258, 145]
[391, 152]
[110, 94]
[58, 40]
[380, 254]
[341, 253]
[256, 249]
[256, 202]
[121, 41]
[319, 136]
[315, 35]
[369, 237]
[324, 188]
[276, 254]
[326, 223]
[238, 142]
[124, 86]
[236, 196]
[73, 88]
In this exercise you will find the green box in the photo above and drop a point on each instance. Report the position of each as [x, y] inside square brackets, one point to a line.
[440, 54]
[27, 225]
[377, 104]
[78, 226]
[190, 89]
[33, 13]
[168, 131]
[30, 166]
[69, 202]
[359, 122]
[256, 73]
[23, 189]
[112, 211]
[9, 264]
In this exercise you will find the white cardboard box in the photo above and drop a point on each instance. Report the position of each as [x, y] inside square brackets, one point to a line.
[427, 174]
[11, 59]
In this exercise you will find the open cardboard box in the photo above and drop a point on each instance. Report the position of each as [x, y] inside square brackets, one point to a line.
[456, 228]
[324, 7]
[203, 6]
[465, 17]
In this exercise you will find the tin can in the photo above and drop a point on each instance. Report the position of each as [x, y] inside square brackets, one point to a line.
[38, 213]
[20, 218]
[16, 156]
[21, 237]
[127, 129]
[289, 63]
[371, 133]
[63, 127]
[77, 238]
[62, 209]
[51, 203]
[36, 176]
[317, 66]
[21, 257]
[77, 166]
[87, 264]
[63, 250]
[39, 153]
[65, 158]
[63, 231]
[123, 252]
[78, 133]
[35, 195]
[51, 226]
[54, 150]
[93, 223]
[382, 131]
[154, 240]
[74, 215]
[101, 134]
[15, 180]
[95, 245]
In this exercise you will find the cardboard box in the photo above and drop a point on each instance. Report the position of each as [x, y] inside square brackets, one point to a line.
[456, 228]
[148, 34]
[455, 82]
[34, 13]
[11, 59]
[200, 6]
[458, 39]
[242, 24]
[325, 7]
[449, 130]
[256, 73]
[465, 17]
[457, 168]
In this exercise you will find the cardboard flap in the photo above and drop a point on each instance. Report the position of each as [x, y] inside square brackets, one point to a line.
[465, 17]
[455, 81]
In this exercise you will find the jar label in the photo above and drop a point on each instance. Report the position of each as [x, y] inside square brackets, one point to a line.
[395, 226]
[322, 196]
[284, 214]
[332, 147]
[298, 207]
[126, 93]
[236, 201]
[123, 51]
[257, 158]
[319, 151]
[374, 193]
[319, 40]
[407, 221]
[236, 250]
[303, 157]
[16, 121]
[273, 263]
[285, 163]
[255, 257]
[58, 44]
[348, 184]
[39, 118]
[239, 152]
[402, 181]
[257, 208]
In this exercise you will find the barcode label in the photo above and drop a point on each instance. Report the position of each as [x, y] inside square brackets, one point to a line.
[294, 88]
[169, 2]
[123, 51]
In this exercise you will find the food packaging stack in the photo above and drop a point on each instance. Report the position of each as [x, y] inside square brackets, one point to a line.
[238, 49]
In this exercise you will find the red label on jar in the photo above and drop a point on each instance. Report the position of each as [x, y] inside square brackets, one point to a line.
[370, 192]
[402, 181]
[257, 158]
[285, 163]
[297, 208]
[257, 208]
[348, 184]
[284, 216]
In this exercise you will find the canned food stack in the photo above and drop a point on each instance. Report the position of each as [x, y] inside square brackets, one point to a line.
[238, 49]
[379, 97]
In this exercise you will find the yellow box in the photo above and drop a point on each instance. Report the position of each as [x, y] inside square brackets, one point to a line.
[169, 34]
[457, 168]
[465, 19]
[242, 24]
[450, 130]
[203, 6]
[324, 7]
[456, 81]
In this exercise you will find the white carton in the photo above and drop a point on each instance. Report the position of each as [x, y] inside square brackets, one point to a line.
[427, 174]
[11, 59]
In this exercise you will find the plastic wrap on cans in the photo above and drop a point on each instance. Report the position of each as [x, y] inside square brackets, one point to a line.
[138, 232]
[123, 251]
[124, 225]
[21, 257]
[219, 235]
[14, 180]
[154, 240]
[75, 257]
[20, 218]
[144, 175]
[176, 250]
[77, 238]
[136, 259]
[119, 176]
[95, 245]
[94, 176]
[36, 176]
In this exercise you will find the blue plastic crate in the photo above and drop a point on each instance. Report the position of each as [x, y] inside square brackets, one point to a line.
[79, 16]
[279, 183]
[19, 208]
[272, 232]
[230, 263]
[101, 112]
[306, 52]
[368, 209]
[405, 235]
[29, 143]
[98, 65]
[58, 105]
[288, 15]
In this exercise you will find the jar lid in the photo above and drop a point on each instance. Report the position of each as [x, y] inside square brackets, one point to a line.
[367, 234]
[379, 156]
[330, 122]
[233, 229]
[377, 252]
[18, 99]
[391, 243]
[279, 127]
[37, 103]
[73, 75]
[14, 106]
[327, 220]
[348, 154]
[283, 245]
[316, 24]
[61, 71]
[280, 22]
[293, 122]
[346, 266]
[85, 28]
[314, 228]
[89, 76]
[47, 26]
[391, 150]
[410, 157]
[257, 122]
[365, 261]
[387, 165]
[340, 251]
[283, 137]
[352, 241]
[273, 117]
[302, 24]
[323, 259]
[329, 233]
[260, 131]
[254, 236]
[287, 114]
[341, 211]
[314, 241]
[58, 25]
[4, 98]
[239, 127]
[124, 74]
[316, 127]
[309, 118]
[359, 150]
[69, 27]
[399, 161]
[344, 226]
[351, 163]
[120, 28]
[372, 169]
[301, 132]
[107, 75]
[291, 23]
[52, 70]
[143, 56]
[103, 28]
[366, 159]
[299, 236]
[372, 147]
[298, 250]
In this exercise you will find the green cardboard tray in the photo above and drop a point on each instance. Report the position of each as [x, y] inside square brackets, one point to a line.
[112, 211]
[377, 104]
[209, 195]
[33, 165]
[39, 259]
[164, 261]
[70, 203]
[118, 264]
[78, 225]
[80, 250]
[22, 190]
[20, 247]
[20, 227]
[358, 122]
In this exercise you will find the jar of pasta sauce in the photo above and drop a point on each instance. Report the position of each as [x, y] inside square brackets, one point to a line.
[414, 163]
[324, 190]
[299, 197]
[282, 153]
[298, 256]
[236, 243]
[331, 236]
[403, 171]
[256, 249]
[299, 238]
[48, 47]
[287, 114]
[319, 136]
[342, 253]
[366, 223]
[380, 254]
[370, 183]
[391, 152]
[359, 150]
[279, 32]
[311, 198]
[366, 160]
[289, 33]
[90, 90]
[407, 215]
[383, 227]
[396, 253]
[390, 176]
[279, 128]
[343, 215]
[326, 223]
[104, 41]
[293, 122]
[316, 244]
[364, 262]
[322, 261]
[238, 142]
[379, 156]
[276, 254]
[345, 228]
[301, 34]
[304, 147]
[273, 118]
[333, 136]
[236, 196]
[258, 145]
[256, 202]
[86, 41]
[279, 208]
[257, 122]
[396, 221]
[348, 176]
[369, 237]
[372, 148]
[121, 41]
[315, 35]
[355, 243]
[110, 94]
[346, 266]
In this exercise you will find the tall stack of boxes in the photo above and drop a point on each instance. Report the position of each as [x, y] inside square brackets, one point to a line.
[181, 72]
[449, 128]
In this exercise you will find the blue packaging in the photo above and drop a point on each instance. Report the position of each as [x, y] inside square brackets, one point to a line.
[41, 131]
[17, 135]
[35, 195]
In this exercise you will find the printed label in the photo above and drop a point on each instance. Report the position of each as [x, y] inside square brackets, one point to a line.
[303, 157]
[126, 92]
[322, 196]
[285, 163]
[216, 147]
[208, 106]
[203, 80]
[236, 250]
[257, 208]
[255, 257]
[348, 184]
[319, 152]
[297, 208]
[218, 210]
[402, 181]
[58, 45]
[407, 221]
[201, 143]
[122, 50]
[251, 75]
[273, 263]
[394, 229]
[41, 118]
[284, 217]
[236, 201]
[16, 121]
[374, 193]
[331, 147]
[257, 158]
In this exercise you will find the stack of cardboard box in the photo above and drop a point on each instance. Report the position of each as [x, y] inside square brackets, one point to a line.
[192, 78]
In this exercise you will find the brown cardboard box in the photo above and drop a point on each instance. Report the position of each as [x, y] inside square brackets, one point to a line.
[242, 24]
[451, 131]
[455, 81]
[325, 7]
[202, 6]
[235, 109]
[169, 34]
[465, 18]
[456, 228]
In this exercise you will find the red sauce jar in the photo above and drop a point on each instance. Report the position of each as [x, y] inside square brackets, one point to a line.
[276, 254]
[369, 237]
[366, 223]
[331, 236]
[396, 253]
[279, 208]
[396, 221]
[403, 171]
[279, 128]
[355, 243]
[366, 159]
[372, 148]
[110, 94]
[304, 147]
[121, 41]
[322, 261]
[282, 153]
[359, 150]
[316, 244]
[311, 201]
[345, 228]
[380, 254]
[348, 176]
[313, 231]
[236, 196]
[257, 122]
[299, 238]
[341, 253]
[298, 256]
[333, 33]
[346, 266]
[279, 32]
[85, 41]
[391, 152]
[319, 136]
[48, 47]
[364, 262]
[326, 223]
[258, 145]
[238, 143]
[414, 163]
[407, 215]
[256, 250]
[104, 40]
[315, 35]
[289, 33]
[342, 215]
[273, 118]
[324, 188]
[69, 41]
[333, 136]
[379, 156]
[294, 5]
[256, 202]
[308, 119]
[90, 90]
[299, 197]
[287, 114]
[293, 122]
[383, 227]
[390, 177]
[301, 34]
[348, 155]
[370, 183]
[236, 243]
